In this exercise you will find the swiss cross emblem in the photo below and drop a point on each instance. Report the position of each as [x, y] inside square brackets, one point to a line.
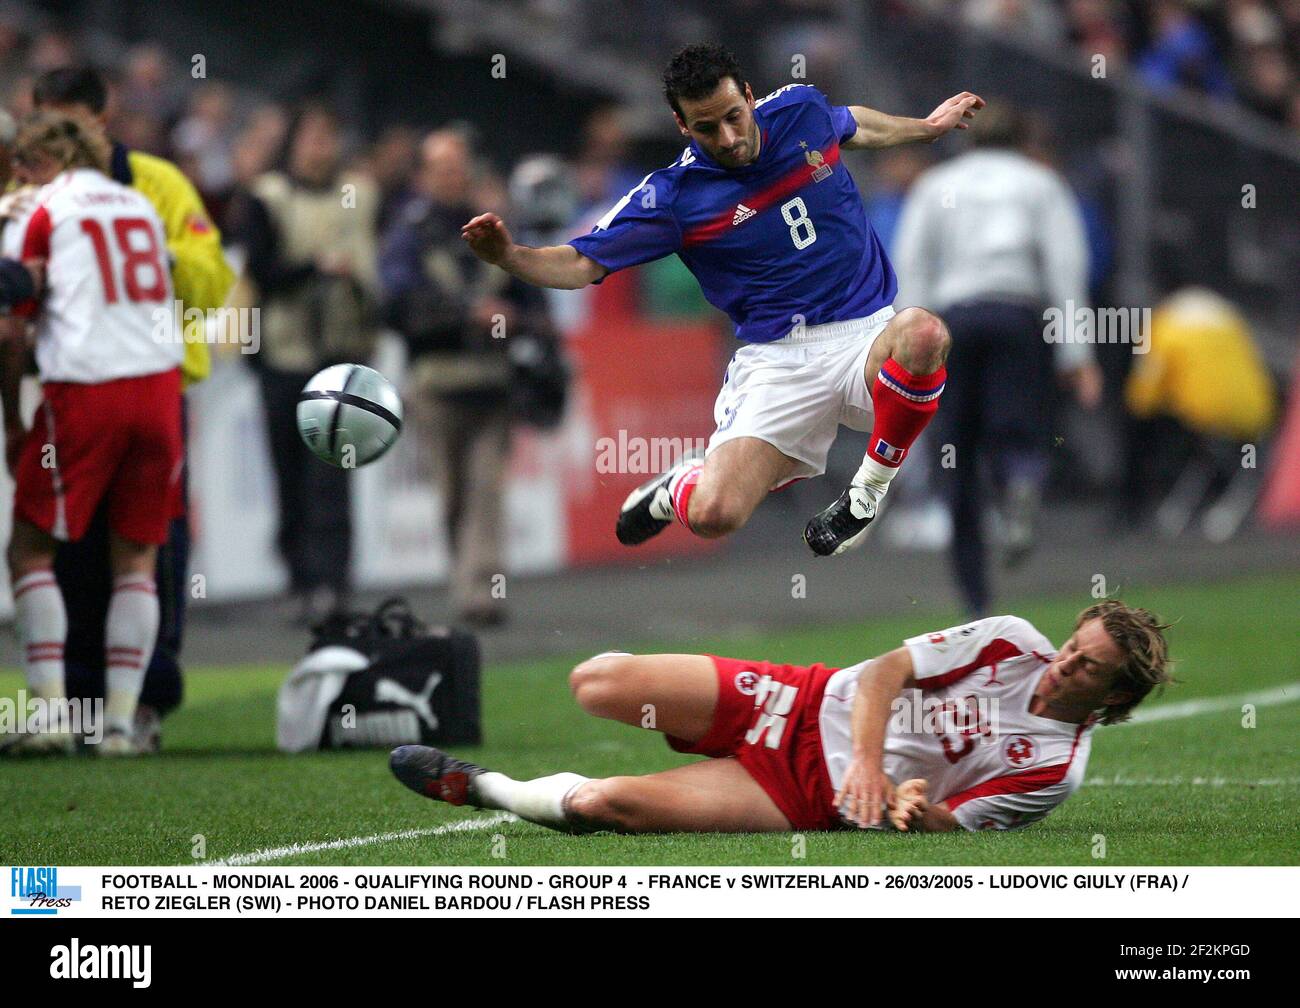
[1018, 751]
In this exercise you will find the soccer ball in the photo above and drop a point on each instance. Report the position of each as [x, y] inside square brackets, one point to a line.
[349, 415]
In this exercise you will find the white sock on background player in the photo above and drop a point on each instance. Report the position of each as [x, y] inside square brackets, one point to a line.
[130, 632]
[539, 801]
[42, 624]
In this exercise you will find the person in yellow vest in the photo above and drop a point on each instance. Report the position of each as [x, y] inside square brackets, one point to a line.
[1202, 369]
[202, 279]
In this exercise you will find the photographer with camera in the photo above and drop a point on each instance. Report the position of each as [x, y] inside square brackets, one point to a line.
[475, 337]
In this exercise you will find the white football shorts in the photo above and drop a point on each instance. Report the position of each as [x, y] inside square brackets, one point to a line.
[794, 393]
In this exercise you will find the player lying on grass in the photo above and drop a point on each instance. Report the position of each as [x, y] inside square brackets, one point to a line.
[760, 208]
[983, 726]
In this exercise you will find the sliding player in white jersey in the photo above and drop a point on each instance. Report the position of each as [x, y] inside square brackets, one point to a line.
[983, 726]
[109, 424]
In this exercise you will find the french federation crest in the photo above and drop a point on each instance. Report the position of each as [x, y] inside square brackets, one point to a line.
[815, 158]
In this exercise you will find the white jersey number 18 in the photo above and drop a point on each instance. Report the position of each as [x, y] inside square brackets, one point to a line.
[143, 278]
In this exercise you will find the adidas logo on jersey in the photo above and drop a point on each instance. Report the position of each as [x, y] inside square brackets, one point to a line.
[743, 213]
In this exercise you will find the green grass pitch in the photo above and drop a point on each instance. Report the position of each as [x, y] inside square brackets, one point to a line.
[1202, 789]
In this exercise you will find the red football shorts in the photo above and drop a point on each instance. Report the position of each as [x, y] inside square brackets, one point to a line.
[116, 440]
[767, 717]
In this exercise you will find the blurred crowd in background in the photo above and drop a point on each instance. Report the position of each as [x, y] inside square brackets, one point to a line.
[260, 159]
[1243, 52]
[1237, 51]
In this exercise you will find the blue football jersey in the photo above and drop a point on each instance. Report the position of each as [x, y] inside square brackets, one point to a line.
[782, 242]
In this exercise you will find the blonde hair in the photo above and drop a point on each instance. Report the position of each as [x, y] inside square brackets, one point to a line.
[69, 141]
[1140, 635]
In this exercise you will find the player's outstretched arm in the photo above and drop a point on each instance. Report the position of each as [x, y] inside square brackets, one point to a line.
[879, 129]
[559, 266]
[866, 793]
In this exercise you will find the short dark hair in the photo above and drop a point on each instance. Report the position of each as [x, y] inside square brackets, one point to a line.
[74, 85]
[696, 71]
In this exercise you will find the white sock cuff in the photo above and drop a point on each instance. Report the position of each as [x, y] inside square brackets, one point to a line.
[874, 475]
[540, 801]
[135, 582]
[574, 782]
[684, 469]
[36, 579]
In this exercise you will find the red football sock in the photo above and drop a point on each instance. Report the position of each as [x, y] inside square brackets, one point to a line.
[680, 490]
[904, 404]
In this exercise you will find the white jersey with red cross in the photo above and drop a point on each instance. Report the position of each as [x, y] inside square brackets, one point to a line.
[107, 310]
[967, 729]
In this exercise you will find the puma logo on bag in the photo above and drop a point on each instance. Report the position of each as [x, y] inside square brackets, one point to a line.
[391, 691]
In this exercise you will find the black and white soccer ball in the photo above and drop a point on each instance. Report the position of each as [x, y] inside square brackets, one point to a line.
[349, 415]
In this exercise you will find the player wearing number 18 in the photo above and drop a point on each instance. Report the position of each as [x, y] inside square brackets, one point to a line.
[761, 209]
[109, 424]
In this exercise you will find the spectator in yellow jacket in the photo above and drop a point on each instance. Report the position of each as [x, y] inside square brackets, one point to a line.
[1203, 369]
[1203, 372]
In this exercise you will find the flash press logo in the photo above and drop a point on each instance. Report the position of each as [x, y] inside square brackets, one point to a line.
[76, 961]
[37, 892]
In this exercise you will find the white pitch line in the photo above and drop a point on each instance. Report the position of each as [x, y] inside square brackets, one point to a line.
[1289, 693]
[276, 853]
[1118, 781]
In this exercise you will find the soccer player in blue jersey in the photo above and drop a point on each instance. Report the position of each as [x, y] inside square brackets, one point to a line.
[762, 211]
